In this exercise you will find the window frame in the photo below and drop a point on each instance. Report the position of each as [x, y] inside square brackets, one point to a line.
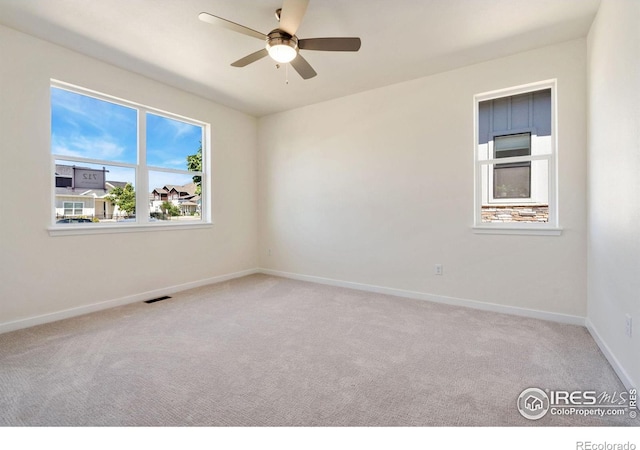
[552, 227]
[141, 170]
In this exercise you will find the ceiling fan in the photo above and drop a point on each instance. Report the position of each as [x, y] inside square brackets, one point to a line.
[282, 44]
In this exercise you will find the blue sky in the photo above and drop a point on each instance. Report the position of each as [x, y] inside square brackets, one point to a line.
[86, 127]
[170, 141]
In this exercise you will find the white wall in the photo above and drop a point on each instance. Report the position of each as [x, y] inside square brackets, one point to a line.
[376, 188]
[40, 274]
[614, 181]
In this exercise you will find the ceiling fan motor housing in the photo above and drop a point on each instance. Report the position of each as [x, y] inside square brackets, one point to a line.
[279, 37]
[281, 43]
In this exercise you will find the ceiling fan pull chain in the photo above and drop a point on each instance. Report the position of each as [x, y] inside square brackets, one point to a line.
[286, 71]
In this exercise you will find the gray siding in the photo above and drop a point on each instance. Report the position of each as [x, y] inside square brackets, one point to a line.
[518, 113]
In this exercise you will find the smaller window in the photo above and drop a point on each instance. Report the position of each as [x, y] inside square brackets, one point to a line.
[512, 180]
[515, 160]
[73, 208]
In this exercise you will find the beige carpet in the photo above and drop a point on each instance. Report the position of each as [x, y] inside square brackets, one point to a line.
[263, 350]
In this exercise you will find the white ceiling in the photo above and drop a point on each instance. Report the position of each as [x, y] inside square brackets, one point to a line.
[401, 40]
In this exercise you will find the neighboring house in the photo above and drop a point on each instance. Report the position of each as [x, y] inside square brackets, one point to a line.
[78, 202]
[93, 203]
[184, 197]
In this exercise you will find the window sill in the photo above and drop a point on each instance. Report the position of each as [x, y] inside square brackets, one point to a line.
[78, 230]
[521, 230]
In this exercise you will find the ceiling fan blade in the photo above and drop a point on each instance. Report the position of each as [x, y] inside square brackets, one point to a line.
[253, 57]
[291, 15]
[345, 44]
[303, 67]
[224, 23]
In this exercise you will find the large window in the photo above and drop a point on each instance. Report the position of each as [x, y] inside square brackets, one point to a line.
[122, 164]
[515, 160]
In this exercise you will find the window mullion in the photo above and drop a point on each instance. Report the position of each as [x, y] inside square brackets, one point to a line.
[514, 159]
[142, 172]
[75, 159]
[168, 170]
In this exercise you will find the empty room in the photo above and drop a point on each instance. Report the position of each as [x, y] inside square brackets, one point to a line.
[319, 213]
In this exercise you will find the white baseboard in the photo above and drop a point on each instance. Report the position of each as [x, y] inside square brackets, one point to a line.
[73, 312]
[617, 367]
[493, 307]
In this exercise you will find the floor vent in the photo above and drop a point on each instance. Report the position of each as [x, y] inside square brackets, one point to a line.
[153, 300]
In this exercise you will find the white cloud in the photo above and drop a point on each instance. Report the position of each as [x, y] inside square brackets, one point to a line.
[103, 148]
[175, 163]
[181, 128]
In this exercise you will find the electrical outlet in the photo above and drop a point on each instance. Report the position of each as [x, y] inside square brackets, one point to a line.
[438, 269]
[628, 325]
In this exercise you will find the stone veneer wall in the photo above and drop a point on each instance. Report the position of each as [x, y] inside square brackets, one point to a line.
[515, 213]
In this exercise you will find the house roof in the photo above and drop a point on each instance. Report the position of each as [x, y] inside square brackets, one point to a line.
[115, 184]
[81, 192]
[184, 191]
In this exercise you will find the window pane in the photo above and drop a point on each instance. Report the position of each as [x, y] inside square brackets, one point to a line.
[83, 126]
[512, 145]
[111, 201]
[174, 197]
[512, 180]
[172, 144]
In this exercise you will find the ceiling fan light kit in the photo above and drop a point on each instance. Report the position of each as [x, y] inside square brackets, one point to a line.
[282, 47]
[282, 44]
